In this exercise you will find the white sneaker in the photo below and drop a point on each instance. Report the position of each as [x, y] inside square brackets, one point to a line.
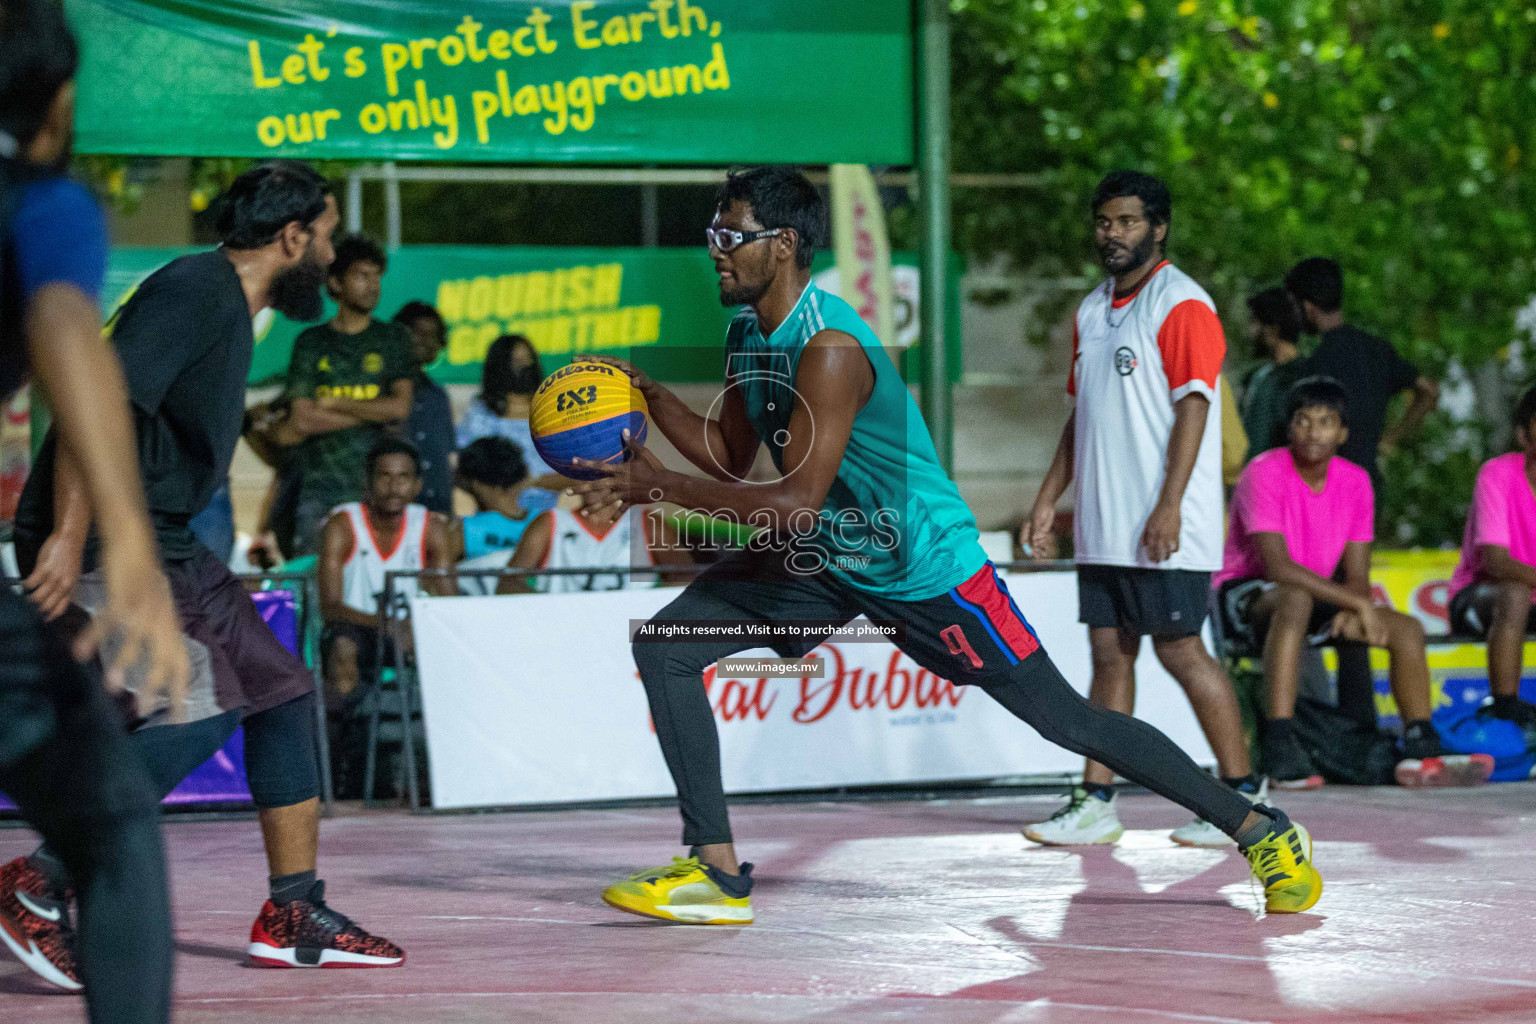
[1202, 833]
[1086, 819]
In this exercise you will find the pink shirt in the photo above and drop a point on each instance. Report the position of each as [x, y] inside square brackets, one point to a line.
[1272, 497]
[1503, 513]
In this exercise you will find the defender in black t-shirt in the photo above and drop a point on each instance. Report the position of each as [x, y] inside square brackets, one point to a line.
[185, 341]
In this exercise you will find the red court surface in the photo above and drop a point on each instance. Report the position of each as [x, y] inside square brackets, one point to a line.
[883, 911]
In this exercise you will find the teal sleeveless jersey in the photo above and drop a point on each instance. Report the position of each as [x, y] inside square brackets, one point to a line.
[893, 523]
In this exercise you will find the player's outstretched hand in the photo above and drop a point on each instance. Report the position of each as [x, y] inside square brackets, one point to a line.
[638, 376]
[638, 480]
[52, 583]
[139, 607]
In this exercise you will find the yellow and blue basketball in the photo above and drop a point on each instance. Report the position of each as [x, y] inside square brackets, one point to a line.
[581, 412]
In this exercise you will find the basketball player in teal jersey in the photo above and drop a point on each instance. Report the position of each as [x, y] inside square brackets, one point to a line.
[862, 520]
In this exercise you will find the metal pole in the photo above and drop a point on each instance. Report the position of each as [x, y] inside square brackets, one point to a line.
[354, 201]
[650, 218]
[932, 18]
[391, 206]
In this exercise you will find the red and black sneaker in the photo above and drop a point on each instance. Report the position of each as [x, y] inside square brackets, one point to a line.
[34, 922]
[307, 933]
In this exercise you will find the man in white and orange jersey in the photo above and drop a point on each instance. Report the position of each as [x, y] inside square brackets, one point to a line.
[1143, 447]
[361, 543]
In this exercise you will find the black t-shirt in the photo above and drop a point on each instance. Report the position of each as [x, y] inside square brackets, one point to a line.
[1373, 373]
[184, 339]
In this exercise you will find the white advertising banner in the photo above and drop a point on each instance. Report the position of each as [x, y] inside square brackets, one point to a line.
[535, 699]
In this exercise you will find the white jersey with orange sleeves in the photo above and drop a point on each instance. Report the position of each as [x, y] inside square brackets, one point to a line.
[362, 575]
[1133, 358]
[573, 544]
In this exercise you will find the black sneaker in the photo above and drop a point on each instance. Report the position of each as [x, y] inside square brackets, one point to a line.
[1288, 767]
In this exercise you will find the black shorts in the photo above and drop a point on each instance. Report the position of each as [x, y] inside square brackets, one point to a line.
[1471, 611]
[1168, 603]
[969, 634]
[1234, 600]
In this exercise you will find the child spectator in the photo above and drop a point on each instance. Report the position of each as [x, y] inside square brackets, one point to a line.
[493, 473]
[1298, 512]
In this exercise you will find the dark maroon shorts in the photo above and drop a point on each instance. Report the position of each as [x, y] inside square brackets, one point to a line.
[252, 670]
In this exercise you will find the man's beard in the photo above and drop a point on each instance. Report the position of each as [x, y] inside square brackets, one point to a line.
[296, 292]
[1115, 259]
[743, 294]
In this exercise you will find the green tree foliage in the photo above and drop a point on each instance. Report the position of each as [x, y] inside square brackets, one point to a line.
[1396, 136]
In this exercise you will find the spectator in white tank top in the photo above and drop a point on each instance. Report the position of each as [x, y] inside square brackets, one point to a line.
[361, 543]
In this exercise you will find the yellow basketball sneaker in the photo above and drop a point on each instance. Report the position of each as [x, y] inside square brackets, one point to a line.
[1282, 861]
[687, 891]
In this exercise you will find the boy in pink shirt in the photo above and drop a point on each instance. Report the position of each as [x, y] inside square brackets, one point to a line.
[1491, 589]
[1297, 513]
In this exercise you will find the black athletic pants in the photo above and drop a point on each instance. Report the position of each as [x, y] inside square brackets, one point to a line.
[67, 763]
[972, 634]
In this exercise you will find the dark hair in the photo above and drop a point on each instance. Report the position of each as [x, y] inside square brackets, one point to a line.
[38, 55]
[354, 249]
[415, 311]
[496, 379]
[1525, 410]
[391, 445]
[1319, 281]
[1275, 307]
[1317, 392]
[780, 197]
[265, 199]
[493, 461]
[1153, 192]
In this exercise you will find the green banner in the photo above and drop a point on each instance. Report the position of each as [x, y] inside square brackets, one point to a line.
[604, 81]
[659, 307]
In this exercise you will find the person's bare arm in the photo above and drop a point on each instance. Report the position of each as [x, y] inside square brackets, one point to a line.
[1354, 597]
[1161, 536]
[723, 448]
[52, 582]
[833, 382]
[1495, 562]
[309, 418]
[1036, 536]
[531, 551]
[336, 543]
[438, 553]
[1426, 395]
[388, 409]
[85, 384]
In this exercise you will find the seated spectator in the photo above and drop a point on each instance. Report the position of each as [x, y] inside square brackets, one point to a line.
[620, 540]
[1299, 512]
[362, 541]
[348, 380]
[491, 470]
[430, 425]
[1274, 328]
[511, 374]
[1494, 581]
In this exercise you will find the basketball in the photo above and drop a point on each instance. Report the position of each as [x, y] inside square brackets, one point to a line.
[581, 412]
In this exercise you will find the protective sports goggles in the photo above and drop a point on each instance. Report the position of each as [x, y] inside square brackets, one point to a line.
[728, 239]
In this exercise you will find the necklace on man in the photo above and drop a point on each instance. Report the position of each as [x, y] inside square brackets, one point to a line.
[1109, 306]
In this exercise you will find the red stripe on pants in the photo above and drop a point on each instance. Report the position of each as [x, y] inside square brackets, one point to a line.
[982, 590]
